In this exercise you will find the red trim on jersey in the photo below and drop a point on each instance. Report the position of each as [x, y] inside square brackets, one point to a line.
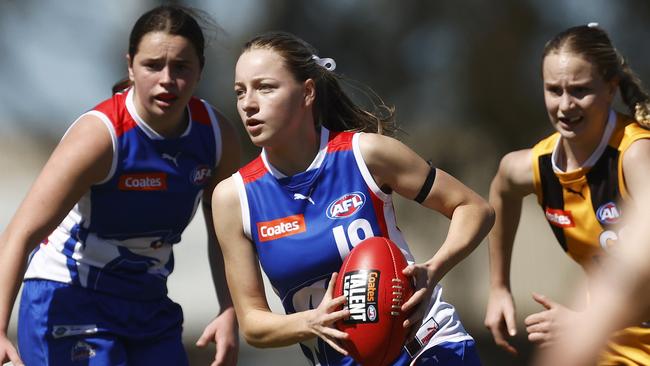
[378, 205]
[199, 111]
[253, 170]
[339, 141]
[115, 109]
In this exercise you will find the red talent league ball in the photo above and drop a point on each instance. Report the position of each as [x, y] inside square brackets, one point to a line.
[371, 279]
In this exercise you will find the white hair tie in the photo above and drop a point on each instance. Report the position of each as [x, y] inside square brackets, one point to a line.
[593, 25]
[327, 63]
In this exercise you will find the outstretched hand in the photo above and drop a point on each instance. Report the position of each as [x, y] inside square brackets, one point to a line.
[500, 318]
[545, 327]
[322, 319]
[223, 331]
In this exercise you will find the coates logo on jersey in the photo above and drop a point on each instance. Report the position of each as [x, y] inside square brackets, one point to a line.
[279, 228]
[559, 218]
[200, 175]
[346, 206]
[143, 182]
[608, 213]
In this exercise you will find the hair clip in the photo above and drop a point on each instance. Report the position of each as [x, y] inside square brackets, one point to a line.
[327, 63]
[593, 25]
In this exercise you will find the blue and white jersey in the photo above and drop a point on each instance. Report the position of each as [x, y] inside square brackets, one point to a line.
[303, 226]
[118, 238]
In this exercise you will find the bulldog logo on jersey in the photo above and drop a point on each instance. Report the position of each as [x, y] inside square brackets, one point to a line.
[346, 205]
[608, 213]
[361, 289]
[200, 175]
[559, 218]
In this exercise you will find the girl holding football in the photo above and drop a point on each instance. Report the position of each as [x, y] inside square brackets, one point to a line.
[101, 219]
[287, 210]
[594, 168]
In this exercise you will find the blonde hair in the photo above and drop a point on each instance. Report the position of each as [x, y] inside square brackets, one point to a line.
[593, 43]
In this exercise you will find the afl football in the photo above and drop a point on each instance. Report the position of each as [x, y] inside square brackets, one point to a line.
[371, 279]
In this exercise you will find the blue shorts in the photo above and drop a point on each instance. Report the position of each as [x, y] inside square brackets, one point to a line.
[462, 353]
[60, 324]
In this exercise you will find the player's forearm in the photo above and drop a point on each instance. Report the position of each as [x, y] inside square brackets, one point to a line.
[12, 259]
[218, 274]
[501, 238]
[469, 225]
[265, 329]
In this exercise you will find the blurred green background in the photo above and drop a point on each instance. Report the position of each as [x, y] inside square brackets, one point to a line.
[463, 75]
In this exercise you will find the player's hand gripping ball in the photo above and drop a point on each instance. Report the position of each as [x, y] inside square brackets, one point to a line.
[372, 281]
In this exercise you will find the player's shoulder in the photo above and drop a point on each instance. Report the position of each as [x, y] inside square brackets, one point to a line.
[226, 194]
[374, 146]
[516, 168]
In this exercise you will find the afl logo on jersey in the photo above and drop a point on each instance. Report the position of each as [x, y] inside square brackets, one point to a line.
[199, 175]
[608, 213]
[346, 205]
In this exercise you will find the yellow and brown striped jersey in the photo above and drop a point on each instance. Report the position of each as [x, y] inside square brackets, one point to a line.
[583, 208]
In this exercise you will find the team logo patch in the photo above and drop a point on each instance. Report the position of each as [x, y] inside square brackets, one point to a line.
[559, 218]
[346, 205]
[361, 290]
[143, 182]
[279, 228]
[200, 175]
[608, 213]
[82, 351]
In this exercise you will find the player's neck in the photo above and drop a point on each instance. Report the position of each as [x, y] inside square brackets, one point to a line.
[296, 155]
[575, 152]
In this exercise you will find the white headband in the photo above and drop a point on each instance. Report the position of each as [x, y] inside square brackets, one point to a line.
[327, 63]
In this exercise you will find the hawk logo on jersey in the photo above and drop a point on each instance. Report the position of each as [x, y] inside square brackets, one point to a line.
[608, 213]
[360, 288]
[200, 175]
[346, 205]
[143, 182]
[279, 228]
[559, 218]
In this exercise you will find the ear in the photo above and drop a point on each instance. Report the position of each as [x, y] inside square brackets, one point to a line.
[310, 92]
[129, 65]
[613, 86]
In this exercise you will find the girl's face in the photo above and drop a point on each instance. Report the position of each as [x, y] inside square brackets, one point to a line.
[577, 98]
[165, 71]
[269, 98]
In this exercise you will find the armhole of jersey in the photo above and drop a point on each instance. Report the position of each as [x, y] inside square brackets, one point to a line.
[365, 173]
[217, 131]
[537, 179]
[243, 203]
[109, 125]
[625, 194]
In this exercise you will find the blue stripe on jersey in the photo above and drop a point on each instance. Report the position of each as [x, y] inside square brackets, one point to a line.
[68, 251]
